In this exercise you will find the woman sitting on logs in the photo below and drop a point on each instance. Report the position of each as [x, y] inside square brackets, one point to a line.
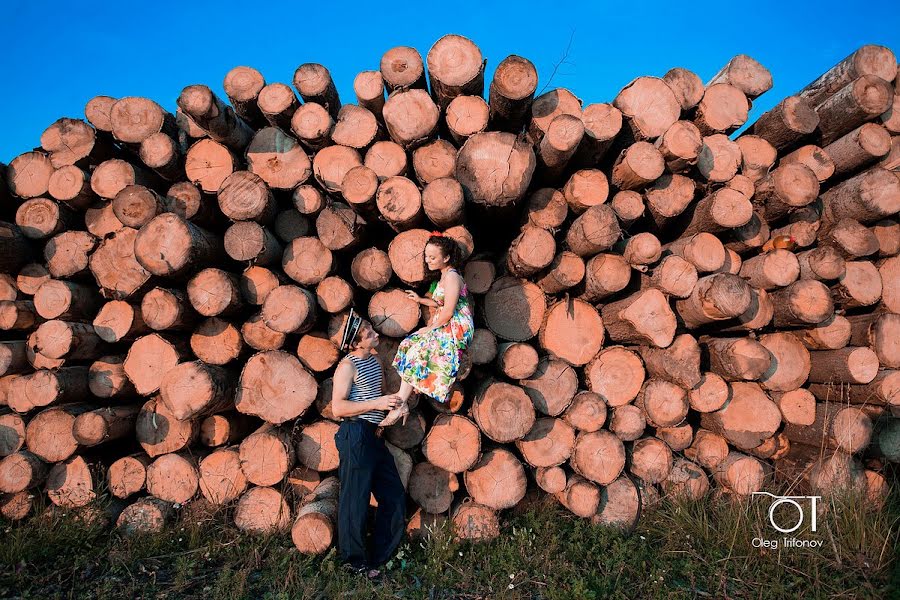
[366, 465]
[428, 359]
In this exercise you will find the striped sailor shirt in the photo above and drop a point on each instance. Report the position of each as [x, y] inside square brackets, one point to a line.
[367, 386]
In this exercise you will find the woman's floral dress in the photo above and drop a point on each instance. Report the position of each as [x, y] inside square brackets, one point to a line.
[430, 361]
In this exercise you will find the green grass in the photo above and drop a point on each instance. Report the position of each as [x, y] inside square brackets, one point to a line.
[700, 549]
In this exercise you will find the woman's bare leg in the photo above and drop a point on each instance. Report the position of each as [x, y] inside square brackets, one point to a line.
[406, 391]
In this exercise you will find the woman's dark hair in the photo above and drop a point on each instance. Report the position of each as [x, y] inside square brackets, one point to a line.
[449, 247]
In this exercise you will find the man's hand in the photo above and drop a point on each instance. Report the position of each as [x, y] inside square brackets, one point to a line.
[386, 402]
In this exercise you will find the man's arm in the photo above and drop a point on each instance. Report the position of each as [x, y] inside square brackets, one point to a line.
[341, 384]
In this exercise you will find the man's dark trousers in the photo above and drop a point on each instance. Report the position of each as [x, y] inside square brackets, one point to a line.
[367, 466]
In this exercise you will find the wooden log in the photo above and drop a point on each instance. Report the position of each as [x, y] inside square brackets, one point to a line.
[278, 159]
[48, 434]
[41, 218]
[708, 449]
[503, 412]
[277, 103]
[259, 336]
[409, 435]
[843, 428]
[531, 251]
[244, 196]
[18, 316]
[867, 60]
[443, 202]
[716, 297]
[686, 480]
[814, 158]
[478, 162]
[149, 359]
[332, 164]
[112, 176]
[616, 374]
[742, 474]
[552, 386]
[473, 521]
[771, 270]
[71, 186]
[831, 334]
[12, 432]
[146, 515]
[722, 109]
[879, 332]
[70, 484]
[628, 422]
[680, 146]
[117, 321]
[550, 479]
[678, 363]
[453, 443]
[58, 339]
[511, 93]
[497, 480]
[822, 264]
[225, 428]
[598, 456]
[59, 299]
[514, 308]
[663, 403]
[20, 471]
[72, 141]
[312, 124]
[267, 455]
[159, 432]
[356, 127]
[757, 156]
[687, 87]
[115, 267]
[587, 412]
[549, 443]
[593, 231]
[798, 407]
[28, 174]
[369, 89]
[737, 359]
[434, 160]
[314, 529]
[466, 116]
[163, 155]
[649, 107]
[703, 250]
[133, 119]
[455, 68]
[565, 271]
[242, 85]
[749, 418]
[887, 232]
[637, 166]
[221, 479]
[167, 309]
[208, 163]
[388, 159]
[358, 188]
[13, 357]
[400, 203]
[580, 496]
[314, 83]
[650, 459]
[214, 292]
[67, 254]
[107, 378]
[850, 238]
[745, 74]
[289, 308]
[801, 303]
[128, 475]
[644, 317]
[673, 276]
[786, 188]
[411, 118]
[101, 221]
[45, 387]
[275, 387]
[867, 197]
[861, 100]
[851, 364]
[250, 241]
[860, 285]
[432, 488]
[218, 119]
[790, 359]
[105, 424]
[173, 477]
[605, 274]
[170, 246]
[719, 158]
[517, 360]
[196, 389]
[334, 294]
[316, 352]
[859, 148]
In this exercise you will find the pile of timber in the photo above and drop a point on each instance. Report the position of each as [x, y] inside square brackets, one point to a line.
[661, 309]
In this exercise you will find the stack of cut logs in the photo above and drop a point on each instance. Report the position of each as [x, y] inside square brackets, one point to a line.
[661, 309]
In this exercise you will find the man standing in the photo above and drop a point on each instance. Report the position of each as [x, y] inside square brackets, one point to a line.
[366, 465]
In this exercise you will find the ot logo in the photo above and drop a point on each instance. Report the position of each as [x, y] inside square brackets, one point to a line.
[794, 501]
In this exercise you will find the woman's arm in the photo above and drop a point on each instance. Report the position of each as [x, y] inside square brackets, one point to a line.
[342, 382]
[452, 288]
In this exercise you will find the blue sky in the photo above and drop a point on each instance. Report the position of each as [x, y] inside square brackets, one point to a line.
[55, 56]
